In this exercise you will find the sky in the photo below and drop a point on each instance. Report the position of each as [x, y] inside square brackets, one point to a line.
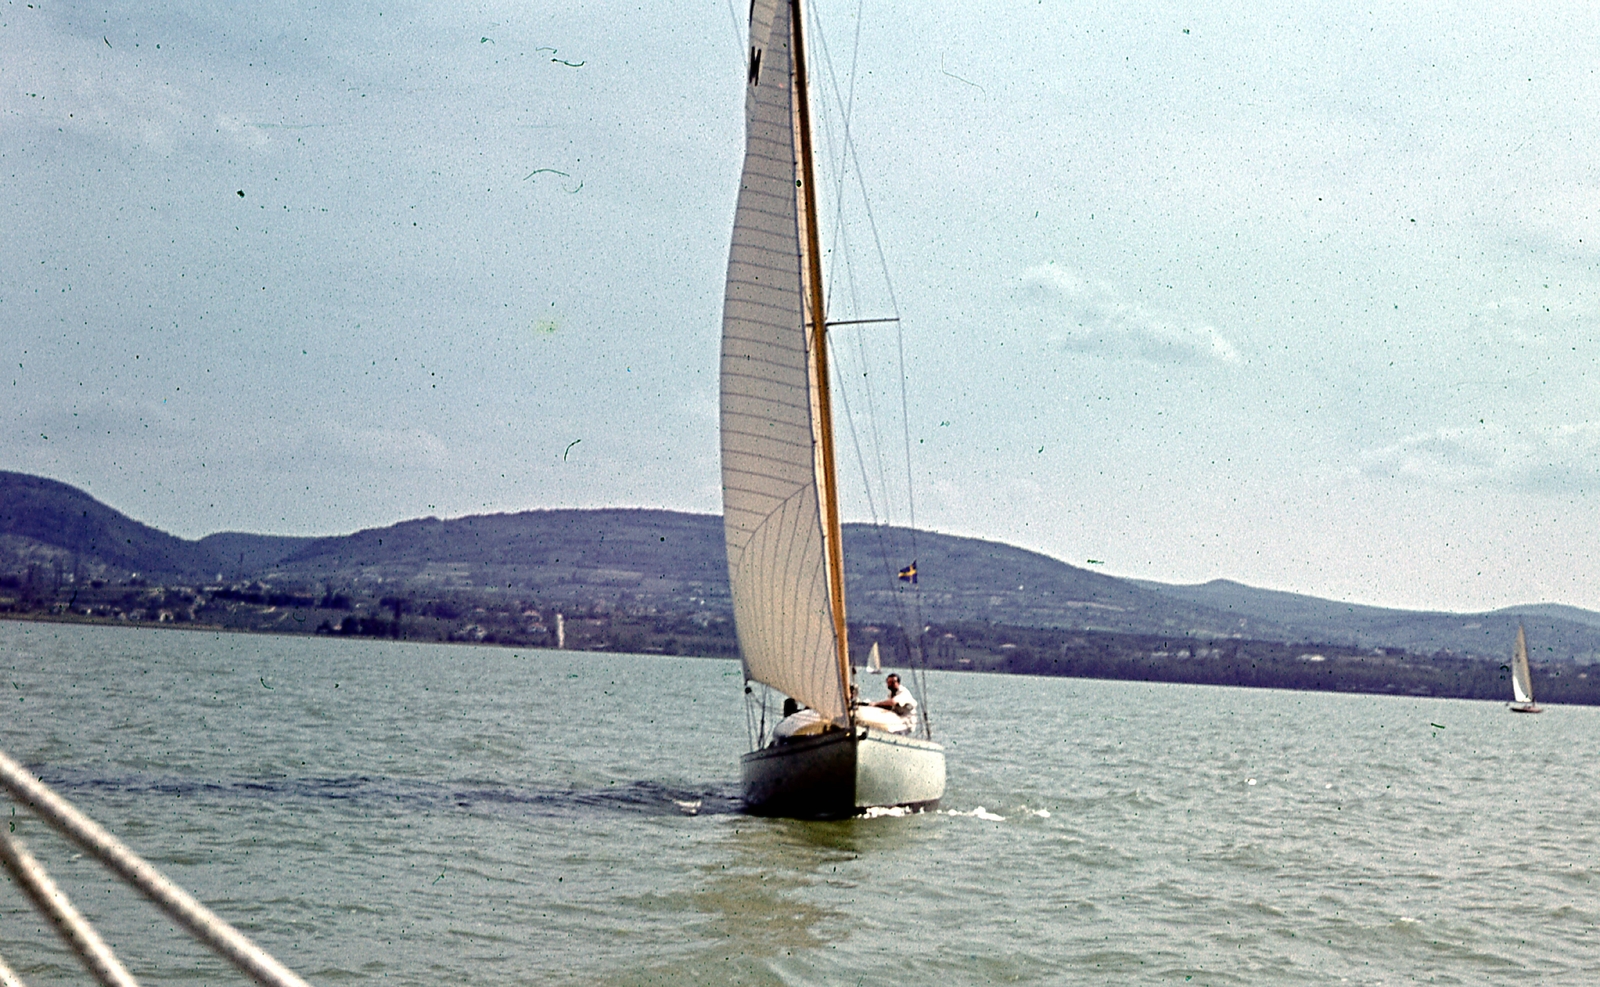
[1297, 295]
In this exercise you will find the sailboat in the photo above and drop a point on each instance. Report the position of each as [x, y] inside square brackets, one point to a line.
[1521, 679]
[785, 549]
[874, 661]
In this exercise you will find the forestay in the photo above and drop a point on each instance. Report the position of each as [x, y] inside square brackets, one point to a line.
[771, 495]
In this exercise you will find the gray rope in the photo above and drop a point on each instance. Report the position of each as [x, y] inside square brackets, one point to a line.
[8, 978]
[73, 928]
[180, 906]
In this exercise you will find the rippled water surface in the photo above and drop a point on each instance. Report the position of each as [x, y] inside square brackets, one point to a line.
[443, 814]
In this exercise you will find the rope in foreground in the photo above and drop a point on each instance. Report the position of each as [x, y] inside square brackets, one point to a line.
[198, 920]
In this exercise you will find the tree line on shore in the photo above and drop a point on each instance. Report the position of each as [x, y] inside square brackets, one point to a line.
[978, 646]
[1244, 662]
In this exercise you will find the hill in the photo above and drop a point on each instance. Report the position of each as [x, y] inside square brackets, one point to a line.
[666, 562]
[58, 527]
[1555, 631]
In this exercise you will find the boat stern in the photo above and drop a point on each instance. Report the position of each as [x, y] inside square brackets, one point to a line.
[842, 773]
[893, 770]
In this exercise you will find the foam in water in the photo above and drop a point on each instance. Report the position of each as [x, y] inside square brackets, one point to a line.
[886, 811]
[979, 813]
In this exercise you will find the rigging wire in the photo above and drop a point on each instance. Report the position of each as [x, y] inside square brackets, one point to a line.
[738, 33]
[750, 732]
[842, 254]
[845, 159]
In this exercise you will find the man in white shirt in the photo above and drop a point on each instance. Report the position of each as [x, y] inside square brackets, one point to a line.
[900, 701]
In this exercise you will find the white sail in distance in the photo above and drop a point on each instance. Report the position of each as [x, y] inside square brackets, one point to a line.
[1521, 678]
[774, 500]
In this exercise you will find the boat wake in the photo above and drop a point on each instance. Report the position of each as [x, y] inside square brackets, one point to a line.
[982, 813]
[642, 797]
[979, 813]
[888, 812]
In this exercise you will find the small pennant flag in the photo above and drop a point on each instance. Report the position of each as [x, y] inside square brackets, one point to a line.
[909, 574]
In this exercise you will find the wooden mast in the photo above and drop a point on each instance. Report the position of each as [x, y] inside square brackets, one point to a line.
[833, 538]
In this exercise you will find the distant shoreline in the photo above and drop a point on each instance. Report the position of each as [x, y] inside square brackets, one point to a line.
[1087, 655]
[659, 580]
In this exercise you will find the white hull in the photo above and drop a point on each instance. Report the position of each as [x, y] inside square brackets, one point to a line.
[843, 773]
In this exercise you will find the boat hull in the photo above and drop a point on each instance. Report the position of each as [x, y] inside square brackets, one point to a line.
[1529, 708]
[843, 773]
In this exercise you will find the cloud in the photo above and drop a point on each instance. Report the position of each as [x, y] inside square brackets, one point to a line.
[1090, 317]
[246, 134]
[1547, 313]
[91, 87]
[184, 436]
[1547, 459]
[1552, 214]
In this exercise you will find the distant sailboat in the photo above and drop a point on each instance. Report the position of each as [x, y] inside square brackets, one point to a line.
[874, 661]
[779, 493]
[1521, 679]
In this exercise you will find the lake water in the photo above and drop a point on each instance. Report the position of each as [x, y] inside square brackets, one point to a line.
[421, 814]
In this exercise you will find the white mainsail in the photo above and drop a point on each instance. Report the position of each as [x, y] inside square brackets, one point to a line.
[773, 502]
[1521, 679]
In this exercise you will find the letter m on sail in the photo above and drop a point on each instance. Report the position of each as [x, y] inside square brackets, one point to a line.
[755, 66]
